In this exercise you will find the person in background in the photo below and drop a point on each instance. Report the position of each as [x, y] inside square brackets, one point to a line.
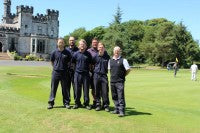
[175, 66]
[93, 51]
[72, 49]
[194, 69]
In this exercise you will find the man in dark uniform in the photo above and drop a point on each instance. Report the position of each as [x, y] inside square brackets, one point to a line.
[60, 59]
[83, 60]
[72, 49]
[93, 51]
[100, 77]
[119, 68]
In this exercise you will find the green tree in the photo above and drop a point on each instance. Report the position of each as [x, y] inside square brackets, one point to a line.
[117, 16]
[156, 41]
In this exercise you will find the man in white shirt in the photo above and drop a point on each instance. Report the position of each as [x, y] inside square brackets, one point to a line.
[119, 69]
[194, 69]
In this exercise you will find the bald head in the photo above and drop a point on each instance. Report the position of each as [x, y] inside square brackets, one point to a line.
[71, 41]
[61, 43]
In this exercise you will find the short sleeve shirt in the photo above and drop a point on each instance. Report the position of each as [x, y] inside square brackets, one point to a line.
[60, 59]
[101, 63]
[72, 52]
[125, 63]
[83, 61]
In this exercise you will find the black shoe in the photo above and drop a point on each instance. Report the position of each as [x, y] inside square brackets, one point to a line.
[88, 107]
[50, 106]
[115, 112]
[75, 106]
[94, 105]
[98, 108]
[67, 106]
[107, 109]
[121, 114]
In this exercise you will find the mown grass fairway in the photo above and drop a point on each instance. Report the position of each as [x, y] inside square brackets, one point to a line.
[156, 102]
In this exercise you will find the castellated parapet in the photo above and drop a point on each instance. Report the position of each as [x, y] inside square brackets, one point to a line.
[24, 9]
[52, 12]
[9, 29]
[40, 18]
[12, 15]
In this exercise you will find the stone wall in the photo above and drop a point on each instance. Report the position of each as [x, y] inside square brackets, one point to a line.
[24, 45]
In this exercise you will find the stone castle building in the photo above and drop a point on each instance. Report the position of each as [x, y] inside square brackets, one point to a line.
[27, 34]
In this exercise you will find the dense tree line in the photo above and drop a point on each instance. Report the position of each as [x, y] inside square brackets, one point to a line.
[156, 42]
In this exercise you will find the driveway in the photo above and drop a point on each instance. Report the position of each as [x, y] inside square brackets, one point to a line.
[23, 63]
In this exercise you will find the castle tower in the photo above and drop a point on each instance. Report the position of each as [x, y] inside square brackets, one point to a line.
[7, 11]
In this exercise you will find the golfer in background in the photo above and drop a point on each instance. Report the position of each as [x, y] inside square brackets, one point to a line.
[119, 69]
[175, 66]
[194, 69]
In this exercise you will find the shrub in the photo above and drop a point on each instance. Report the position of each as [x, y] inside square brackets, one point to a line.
[17, 57]
[30, 58]
[41, 59]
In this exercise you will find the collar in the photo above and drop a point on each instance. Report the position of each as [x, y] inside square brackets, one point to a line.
[117, 58]
[100, 55]
[73, 48]
[59, 50]
[94, 49]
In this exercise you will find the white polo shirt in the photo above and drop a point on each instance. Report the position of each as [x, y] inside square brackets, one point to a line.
[125, 63]
[194, 68]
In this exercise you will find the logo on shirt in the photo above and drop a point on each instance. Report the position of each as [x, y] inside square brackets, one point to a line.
[85, 57]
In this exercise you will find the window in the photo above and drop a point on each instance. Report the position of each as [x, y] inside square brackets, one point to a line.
[1, 47]
[33, 48]
[12, 45]
[41, 46]
[33, 45]
[33, 41]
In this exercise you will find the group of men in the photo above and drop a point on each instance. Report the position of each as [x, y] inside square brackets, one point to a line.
[88, 68]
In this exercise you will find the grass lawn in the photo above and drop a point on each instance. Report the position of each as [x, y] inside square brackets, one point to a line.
[156, 102]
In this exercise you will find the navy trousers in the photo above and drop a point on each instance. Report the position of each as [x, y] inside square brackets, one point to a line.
[101, 89]
[81, 80]
[71, 82]
[62, 77]
[118, 97]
